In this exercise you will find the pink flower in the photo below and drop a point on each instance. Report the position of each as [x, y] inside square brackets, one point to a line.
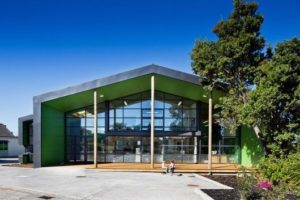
[265, 184]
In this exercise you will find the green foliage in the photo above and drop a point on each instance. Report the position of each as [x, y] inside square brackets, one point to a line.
[233, 61]
[262, 87]
[283, 172]
[274, 105]
[235, 57]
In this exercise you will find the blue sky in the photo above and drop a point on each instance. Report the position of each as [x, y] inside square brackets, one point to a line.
[51, 44]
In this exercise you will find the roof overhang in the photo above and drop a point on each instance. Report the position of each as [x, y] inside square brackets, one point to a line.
[126, 83]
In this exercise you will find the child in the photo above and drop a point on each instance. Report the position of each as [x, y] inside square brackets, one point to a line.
[172, 167]
[164, 167]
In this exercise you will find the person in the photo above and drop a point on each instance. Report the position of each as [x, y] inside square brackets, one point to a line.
[164, 167]
[172, 167]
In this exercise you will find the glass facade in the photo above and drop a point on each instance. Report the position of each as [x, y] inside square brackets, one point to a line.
[133, 113]
[124, 131]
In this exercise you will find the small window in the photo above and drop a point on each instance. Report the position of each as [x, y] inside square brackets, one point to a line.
[3, 145]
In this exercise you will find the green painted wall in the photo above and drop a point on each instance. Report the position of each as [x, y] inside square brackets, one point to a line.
[251, 151]
[52, 136]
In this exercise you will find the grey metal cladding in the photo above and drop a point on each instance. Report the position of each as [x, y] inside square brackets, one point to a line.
[149, 69]
[21, 120]
[37, 135]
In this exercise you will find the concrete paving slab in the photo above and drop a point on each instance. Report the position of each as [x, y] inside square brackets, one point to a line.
[75, 183]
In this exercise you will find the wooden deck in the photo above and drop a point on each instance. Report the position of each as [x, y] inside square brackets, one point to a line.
[144, 167]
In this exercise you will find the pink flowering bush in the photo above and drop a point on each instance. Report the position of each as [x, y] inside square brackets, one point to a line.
[265, 185]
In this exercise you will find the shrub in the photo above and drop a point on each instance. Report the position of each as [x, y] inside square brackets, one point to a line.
[283, 173]
[277, 178]
[248, 187]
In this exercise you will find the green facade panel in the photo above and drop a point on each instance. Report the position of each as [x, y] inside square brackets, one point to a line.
[251, 151]
[133, 86]
[52, 136]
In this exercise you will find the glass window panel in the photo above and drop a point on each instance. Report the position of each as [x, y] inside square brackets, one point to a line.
[89, 121]
[189, 113]
[90, 111]
[172, 122]
[75, 121]
[189, 122]
[158, 104]
[132, 123]
[111, 144]
[158, 112]
[146, 122]
[89, 131]
[101, 130]
[146, 104]
[111, 112]
[158, 122]
[111, 123]
[146, 113]
[76, 131]
[119, 112]
[146, 128]
[119, 125]
[101, 121]
[158, 128]
[167, 128]
[173, 113]
[132, 112]
[101, 113]
[172, 104]
[188, 140]
[146, 144]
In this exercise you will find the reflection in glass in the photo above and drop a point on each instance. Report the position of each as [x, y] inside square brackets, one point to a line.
[132, 113]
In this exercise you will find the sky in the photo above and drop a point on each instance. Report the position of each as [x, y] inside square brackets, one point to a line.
[51, 44]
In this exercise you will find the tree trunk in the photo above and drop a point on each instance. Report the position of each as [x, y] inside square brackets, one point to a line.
[262, 144]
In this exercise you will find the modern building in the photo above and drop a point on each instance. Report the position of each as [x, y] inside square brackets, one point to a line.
[143, 115]
[9, 145]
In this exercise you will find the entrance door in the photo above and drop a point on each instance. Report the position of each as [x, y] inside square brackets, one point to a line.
[181, 149]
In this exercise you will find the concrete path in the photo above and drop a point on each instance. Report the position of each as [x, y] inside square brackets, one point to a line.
[74, 183]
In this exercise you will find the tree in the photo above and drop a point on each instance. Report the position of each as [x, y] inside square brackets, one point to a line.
[233, 60]
[275, 103]
[204, 55]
